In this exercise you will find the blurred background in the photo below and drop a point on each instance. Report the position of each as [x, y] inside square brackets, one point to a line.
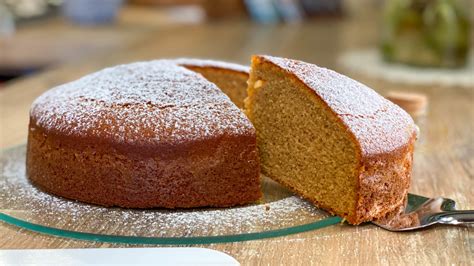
[403, 41]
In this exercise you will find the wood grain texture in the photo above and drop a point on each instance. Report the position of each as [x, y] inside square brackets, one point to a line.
[444, 159]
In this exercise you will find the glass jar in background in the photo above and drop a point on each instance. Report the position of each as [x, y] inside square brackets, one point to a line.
[426, 33]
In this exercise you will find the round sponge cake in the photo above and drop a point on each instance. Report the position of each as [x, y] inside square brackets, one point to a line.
[148, 134]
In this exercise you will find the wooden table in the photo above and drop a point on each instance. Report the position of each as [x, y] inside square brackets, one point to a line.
[444, 160]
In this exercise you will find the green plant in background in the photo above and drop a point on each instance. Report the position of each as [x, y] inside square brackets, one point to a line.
[428, 33]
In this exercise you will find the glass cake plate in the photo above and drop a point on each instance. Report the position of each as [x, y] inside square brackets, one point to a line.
[279, 213]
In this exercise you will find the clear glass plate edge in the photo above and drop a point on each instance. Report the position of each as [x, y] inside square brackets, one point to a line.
[168, 240]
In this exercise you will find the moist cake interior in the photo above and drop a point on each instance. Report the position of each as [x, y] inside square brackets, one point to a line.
[302, 143]
[233, 84]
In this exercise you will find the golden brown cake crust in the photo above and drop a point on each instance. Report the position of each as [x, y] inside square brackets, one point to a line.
[384, 133]
[149, 134]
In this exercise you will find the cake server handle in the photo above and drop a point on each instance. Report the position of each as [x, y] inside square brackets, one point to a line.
[454, 217]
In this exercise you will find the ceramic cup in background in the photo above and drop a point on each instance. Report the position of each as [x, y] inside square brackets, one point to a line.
[91, 12]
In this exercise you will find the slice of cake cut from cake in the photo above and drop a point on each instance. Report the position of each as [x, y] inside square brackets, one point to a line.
[229, 77]
[143, 135]
[330, 139]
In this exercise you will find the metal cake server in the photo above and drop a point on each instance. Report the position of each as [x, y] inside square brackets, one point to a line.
[421, 212]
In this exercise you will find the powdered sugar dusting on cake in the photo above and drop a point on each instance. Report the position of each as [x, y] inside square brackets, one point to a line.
[152, 102]
[21, 199]
[379, 125]
[203, 63]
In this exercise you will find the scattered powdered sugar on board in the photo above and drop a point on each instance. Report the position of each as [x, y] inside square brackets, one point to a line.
[22, 200]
